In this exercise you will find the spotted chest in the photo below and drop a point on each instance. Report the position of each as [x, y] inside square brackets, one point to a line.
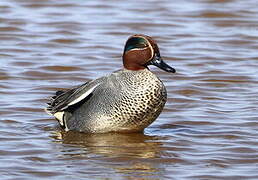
[141, 100]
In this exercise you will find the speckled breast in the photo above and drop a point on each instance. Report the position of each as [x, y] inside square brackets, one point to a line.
[143, 98]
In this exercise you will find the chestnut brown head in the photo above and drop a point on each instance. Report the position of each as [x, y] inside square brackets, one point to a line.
[141, 51]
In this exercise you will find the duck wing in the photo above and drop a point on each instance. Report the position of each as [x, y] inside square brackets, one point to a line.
[68, 98]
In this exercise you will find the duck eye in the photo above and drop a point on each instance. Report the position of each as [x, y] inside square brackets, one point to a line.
[135, 42]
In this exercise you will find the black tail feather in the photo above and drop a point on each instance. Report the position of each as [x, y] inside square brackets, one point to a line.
[59, 93]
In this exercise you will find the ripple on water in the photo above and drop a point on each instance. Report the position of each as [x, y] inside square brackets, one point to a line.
[208, 129]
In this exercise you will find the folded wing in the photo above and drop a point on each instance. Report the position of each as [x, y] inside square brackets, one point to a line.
[65, 99]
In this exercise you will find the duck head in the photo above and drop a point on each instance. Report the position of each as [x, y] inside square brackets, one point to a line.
[141, 51]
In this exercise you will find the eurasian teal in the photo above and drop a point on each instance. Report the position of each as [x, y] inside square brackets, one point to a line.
[127, 100]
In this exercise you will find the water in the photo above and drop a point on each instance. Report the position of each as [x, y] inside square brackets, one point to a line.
[208, 129]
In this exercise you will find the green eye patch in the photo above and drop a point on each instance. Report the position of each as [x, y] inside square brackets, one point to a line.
[135, 42]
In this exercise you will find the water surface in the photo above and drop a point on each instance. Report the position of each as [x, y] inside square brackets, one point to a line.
[208, 129]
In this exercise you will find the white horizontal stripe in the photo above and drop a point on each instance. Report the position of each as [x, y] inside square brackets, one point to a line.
[83, 95]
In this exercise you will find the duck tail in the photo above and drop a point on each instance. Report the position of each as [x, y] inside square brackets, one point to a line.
[49, 108]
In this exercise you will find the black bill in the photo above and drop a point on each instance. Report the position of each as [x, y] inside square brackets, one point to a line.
[157, 61]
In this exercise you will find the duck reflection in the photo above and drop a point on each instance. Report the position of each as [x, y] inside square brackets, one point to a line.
[113, 144]
[130, 154]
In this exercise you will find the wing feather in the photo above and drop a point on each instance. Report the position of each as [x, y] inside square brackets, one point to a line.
[64, 99]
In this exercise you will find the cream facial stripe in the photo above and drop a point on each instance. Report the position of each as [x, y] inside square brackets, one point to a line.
[149, 45]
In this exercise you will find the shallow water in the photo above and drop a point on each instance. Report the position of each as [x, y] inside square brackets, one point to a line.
[208, 129]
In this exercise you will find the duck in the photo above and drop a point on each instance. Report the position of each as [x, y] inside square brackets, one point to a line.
[127, 100]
